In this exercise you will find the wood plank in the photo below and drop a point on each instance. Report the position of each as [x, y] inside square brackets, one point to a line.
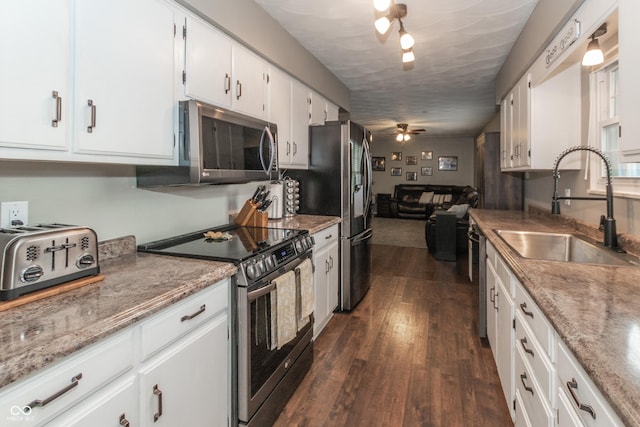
[407, 355]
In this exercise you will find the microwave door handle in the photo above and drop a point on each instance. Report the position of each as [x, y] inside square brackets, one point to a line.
[267, 132]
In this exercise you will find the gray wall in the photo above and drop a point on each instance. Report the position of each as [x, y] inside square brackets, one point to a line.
[462, 147]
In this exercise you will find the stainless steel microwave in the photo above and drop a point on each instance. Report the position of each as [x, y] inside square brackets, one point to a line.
[217, 146]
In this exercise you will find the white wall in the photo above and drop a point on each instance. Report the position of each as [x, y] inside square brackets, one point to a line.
[105, 198]
[462, 147]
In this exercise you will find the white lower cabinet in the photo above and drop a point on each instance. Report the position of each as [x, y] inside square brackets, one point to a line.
[325, 276]
[185, 380]
[549, 387]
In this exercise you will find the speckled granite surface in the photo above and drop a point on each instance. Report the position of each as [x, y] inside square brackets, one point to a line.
[595, 309]
[135, 286]
[313, 223]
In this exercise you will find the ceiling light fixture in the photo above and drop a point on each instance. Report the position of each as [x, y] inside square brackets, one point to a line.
[395, 11]
[594, 55]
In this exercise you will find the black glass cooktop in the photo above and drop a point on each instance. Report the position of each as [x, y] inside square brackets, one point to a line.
[244, 243]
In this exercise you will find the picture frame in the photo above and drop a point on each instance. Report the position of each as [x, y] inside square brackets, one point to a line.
[448, 163]
[426, 155]
[426, 171]
[396, 171]
[411, 160]
[378, 163]
[412, 176]
[396, 155]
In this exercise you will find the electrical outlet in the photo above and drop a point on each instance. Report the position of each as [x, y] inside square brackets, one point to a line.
[567, 193]
[14, 214]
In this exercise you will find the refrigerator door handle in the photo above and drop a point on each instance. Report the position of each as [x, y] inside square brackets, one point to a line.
[369, 177]
[365, 235]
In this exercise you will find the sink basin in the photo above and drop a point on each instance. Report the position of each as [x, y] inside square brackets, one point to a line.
[563, 247]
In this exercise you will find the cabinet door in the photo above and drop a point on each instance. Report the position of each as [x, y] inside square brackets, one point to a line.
[249, 82]
[299, 125]
[333, 281]
[318, 113]
[112, 406]
[333, 112]
[207, 64]
[505, 117]
[189, 380]
[629, 46]
[34, 64]
[522, 150]
[320, 287]
[280, 112]
[124, 78]
[492, 295]
[505, 343]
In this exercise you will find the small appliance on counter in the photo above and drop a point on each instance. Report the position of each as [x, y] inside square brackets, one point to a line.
[40, 256]
[291, 197]
[277, 201]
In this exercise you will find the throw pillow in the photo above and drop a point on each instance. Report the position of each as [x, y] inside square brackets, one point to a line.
[426, 197]
[447, 198]
[437, 199]
[459, 210]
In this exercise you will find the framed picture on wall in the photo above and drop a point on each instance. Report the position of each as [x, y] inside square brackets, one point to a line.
[412, 176]
[448, 163]
[396, 171]
[426, 155]
[426, 171]
[377, 163]
[396, 155]
[411, 160]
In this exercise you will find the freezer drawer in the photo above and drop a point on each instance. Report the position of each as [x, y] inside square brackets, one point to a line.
[355, 269]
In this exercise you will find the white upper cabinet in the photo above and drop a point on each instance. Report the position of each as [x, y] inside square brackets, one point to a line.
[318, 113]
[629, 46]
[124, 78]
[207, 73]
[279, 95]
[299, 125]
[333, 112]
[248, 82]
[34, 74]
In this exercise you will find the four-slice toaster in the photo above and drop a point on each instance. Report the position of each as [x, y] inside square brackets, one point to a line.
[39, 256]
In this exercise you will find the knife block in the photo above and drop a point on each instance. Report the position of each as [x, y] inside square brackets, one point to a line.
[245, 216]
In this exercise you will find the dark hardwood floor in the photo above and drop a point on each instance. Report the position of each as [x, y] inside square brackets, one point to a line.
[408, 355]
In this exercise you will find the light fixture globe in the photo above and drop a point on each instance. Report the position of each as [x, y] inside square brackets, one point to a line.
[399, 137]
[593, 55]
[406, 40]
[382, 24]
[381, 5]
[408, 56]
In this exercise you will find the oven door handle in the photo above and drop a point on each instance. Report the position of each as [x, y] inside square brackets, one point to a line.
[254, 295]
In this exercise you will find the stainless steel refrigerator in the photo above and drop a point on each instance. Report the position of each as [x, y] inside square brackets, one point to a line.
[338, 183]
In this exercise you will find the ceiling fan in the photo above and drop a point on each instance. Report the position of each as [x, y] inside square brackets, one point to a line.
[404, 133]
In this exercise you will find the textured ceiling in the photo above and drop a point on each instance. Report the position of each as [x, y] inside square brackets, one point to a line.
[450, 89]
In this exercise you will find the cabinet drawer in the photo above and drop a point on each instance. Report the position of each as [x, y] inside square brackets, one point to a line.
[522, 418]
[326, 236]
[567, 417]
[533, 399]
[541, 367]
[183, 317]
[579, 388]
[71, 381]
[535, 320]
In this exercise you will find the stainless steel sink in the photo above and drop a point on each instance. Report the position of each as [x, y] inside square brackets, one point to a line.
[563, 247]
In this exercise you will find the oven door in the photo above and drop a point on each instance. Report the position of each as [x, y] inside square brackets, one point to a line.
[261, 366]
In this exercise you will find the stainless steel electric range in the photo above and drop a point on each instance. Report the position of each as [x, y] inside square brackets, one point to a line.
[267, 374]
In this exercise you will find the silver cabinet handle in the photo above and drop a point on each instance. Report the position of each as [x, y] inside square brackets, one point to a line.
[492, 296]
[523, 307]
[331, 261]
[227, 83]
[523, 377]
[523, 341]
[203, 307]
[58, 118]
[124, 422]
[326, 267]
[39, 403]
[573, 385]
[93, 115]
[288, 148]
[238, 89]
[295, 148]
[158, 393]
[329, 236]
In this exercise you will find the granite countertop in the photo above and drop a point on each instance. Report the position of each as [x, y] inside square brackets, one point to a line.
[594, 308]
[135, 286]
[313, 223]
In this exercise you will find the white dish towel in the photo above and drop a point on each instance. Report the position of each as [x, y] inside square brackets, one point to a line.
[305, 275]
[286, 325]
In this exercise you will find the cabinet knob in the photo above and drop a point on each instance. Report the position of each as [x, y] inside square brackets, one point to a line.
[157, 392]
[124, 422]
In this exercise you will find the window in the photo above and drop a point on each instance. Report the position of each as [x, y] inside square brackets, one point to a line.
[626, 176]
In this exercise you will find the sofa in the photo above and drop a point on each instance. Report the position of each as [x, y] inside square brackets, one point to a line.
[420, 201]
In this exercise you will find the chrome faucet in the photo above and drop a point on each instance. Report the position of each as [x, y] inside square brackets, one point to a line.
[607, 223]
